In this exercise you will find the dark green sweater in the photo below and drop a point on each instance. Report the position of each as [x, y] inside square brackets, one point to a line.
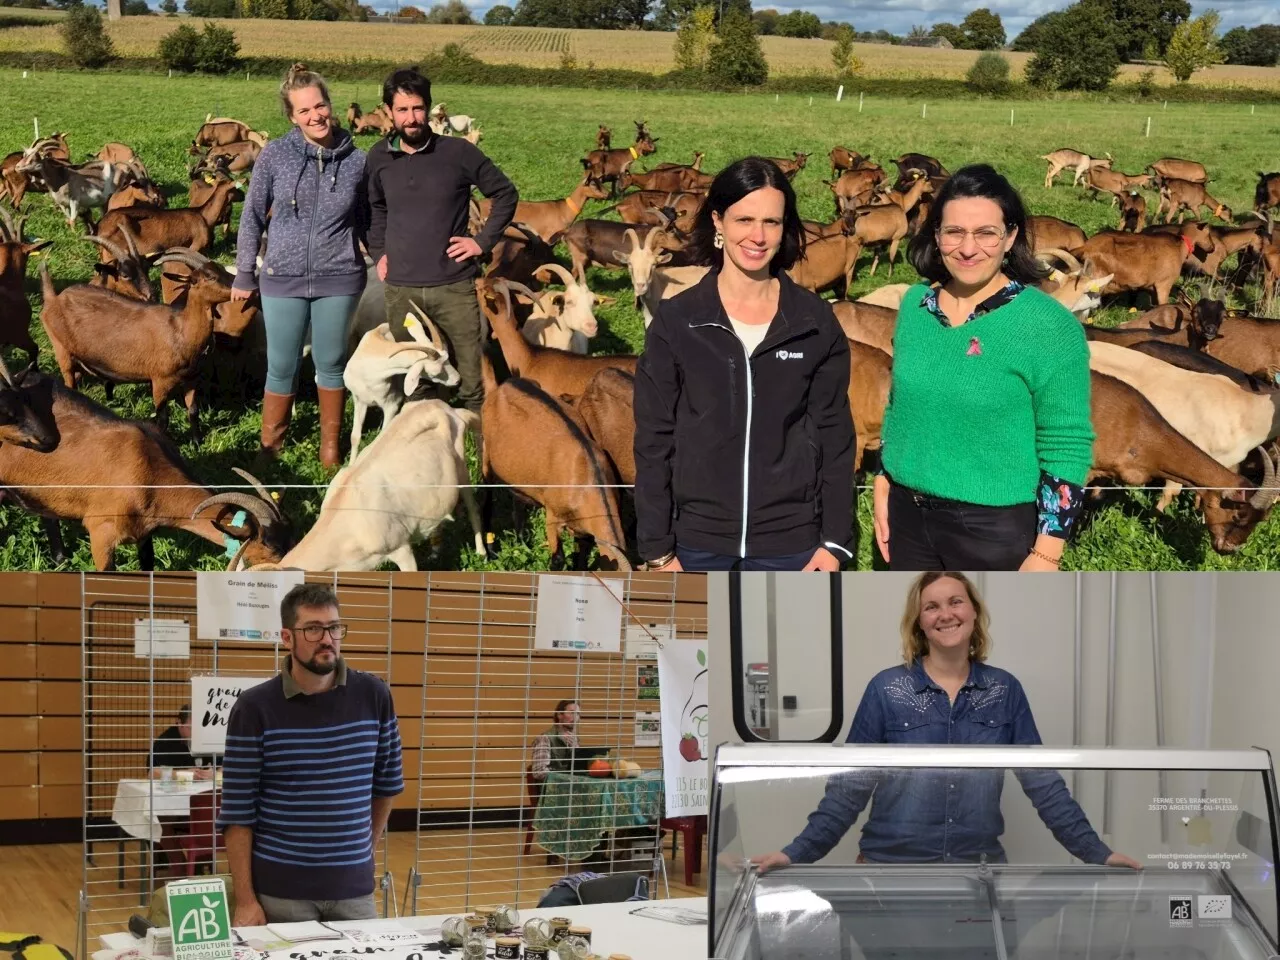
[977, 411]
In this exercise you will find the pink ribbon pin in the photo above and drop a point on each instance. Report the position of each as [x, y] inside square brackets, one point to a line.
[975, 348]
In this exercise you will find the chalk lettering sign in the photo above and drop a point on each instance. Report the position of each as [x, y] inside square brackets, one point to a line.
[211, 701]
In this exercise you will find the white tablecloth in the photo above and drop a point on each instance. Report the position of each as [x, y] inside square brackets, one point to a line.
[613, 930]
[140, 803]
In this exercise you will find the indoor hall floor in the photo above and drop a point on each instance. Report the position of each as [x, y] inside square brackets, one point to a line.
[39, 885]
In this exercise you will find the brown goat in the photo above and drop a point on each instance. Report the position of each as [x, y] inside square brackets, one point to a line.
[217, 132]
[1266, 195]
[239, 156]
[842, 158]
[1106, 180]
[1136, 445]
[880, 226]
[1142, 261]
[601, 242]
[1173, 168]
[1179, 196]
[123, 480]
[1045, 232]
[145, 194]
[827, 264]
[659, 208]
[1248, 343]
[696, 165]
[560, 373]
[17, 183]
[667, 179]
[870, 376]
[867, 323]
[160, 230]
[792, 165]
[1067, 159]
[604, 137]
[607, 165]
[127, 341]
[1133, 212]
[607, 407]
[15, 310]
[853, 188]
[116, 152]
[539, 446]
[127, 272]
[550, 218]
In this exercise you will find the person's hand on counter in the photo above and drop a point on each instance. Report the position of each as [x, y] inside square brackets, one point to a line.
[771, 861]
[1123, 860]
[249, 914]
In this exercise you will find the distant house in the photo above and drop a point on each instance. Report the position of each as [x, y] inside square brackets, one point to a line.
[937, 43]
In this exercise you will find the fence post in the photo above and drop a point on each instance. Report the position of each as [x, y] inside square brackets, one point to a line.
[1148, 133]
[859, 102]
[924, 111]
[840, 93]
[1011, 118]
[36, 122]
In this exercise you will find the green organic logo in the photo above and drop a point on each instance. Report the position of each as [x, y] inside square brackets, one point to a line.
[200, 921]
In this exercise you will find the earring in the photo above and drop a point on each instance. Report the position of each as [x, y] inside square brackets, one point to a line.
[718, 242]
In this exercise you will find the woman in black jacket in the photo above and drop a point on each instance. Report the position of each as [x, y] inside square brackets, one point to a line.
[744, 441]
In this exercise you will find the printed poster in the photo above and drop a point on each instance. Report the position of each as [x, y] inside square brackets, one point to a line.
[648, 729]
[578, 613]
[161, 639]
[682, 673]
[647, 682]
[211, 701]
[242, 606]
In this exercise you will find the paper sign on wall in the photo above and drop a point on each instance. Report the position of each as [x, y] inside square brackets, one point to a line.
[211, 701]
[200, 920]
[646, 682]
[161, 639]
[643, 639]
[242, 606]
[682, 673]
[578, 613]
[648, 729]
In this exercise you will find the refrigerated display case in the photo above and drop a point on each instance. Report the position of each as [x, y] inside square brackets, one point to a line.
[1200, 823]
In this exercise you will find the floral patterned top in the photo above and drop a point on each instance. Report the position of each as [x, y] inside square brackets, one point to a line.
[1060, 502]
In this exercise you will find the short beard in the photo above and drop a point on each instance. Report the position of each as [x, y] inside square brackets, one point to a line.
[418, 140]
[319, 669]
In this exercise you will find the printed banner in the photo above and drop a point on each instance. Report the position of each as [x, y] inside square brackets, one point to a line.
[578, 613]
[200, 920]
[682, 673]
[242, 606]
[211, 701]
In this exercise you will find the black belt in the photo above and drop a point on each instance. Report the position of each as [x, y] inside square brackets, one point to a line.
[927, 501]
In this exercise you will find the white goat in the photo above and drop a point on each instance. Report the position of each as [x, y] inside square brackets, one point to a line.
[383, 371]
[653, 284]
[401, 489]
[445, 125]
[563, 319]
[71, 190]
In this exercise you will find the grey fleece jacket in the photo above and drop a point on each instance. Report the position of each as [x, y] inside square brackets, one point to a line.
[318, 209]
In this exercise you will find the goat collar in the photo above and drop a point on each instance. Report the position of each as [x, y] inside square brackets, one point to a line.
[1186, 242]
[573, 206]
[634, 155]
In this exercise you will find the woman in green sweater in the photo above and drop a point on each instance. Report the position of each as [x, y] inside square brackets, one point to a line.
[987, 436]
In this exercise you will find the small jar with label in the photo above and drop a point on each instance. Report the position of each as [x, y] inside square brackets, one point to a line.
[507, 948]
[560, 928]
[583, 933]
[573, 948]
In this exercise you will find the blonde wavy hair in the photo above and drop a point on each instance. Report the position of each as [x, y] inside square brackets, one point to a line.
[915, 644]
[299, 78]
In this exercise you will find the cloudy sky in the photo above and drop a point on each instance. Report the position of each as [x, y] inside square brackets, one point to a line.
[898, 16]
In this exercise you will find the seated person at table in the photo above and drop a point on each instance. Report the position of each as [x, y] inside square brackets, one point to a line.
[173, 748]
[943, 692]
[553, 749]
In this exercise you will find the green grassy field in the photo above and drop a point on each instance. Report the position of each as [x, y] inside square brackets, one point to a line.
[537, 136]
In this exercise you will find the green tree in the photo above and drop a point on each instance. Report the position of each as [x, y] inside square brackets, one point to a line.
[766, 21]
[982, 30]
[695, 38]
[542, 13]
[499, 16]
[989, 73]
[948, 32]
[451, 11]
[1077, 51]
[169, 7]
[1194, 46]
[85, 38]
[1029, 38]
[178, 48]
[1254, 47]
[211, 8]
[918, 36]
[842, 56]
[1146, 22]
[218, 50]
[136, 8]
[799, 23]
[408, 13]
[736, 56]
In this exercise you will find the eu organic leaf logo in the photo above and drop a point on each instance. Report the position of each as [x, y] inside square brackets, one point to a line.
[207, 902]
[702, 658]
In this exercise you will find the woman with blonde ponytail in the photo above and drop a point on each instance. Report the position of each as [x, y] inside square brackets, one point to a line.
[310, 184]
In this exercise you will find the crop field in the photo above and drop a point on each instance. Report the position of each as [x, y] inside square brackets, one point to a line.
[159, 116]
[542, 47]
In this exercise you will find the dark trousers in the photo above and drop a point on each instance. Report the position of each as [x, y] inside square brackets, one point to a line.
[454, 309]
[704, 561]
[929, 533]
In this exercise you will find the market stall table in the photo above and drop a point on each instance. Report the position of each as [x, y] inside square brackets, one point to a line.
[615, 928]
[575, 812]
[141, 805]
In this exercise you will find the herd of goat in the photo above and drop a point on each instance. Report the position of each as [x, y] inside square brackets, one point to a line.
[1184, 394]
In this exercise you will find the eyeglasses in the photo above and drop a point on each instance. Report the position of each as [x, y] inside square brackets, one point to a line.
[986, 237]
[315, 633]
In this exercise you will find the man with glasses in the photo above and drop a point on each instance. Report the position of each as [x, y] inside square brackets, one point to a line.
[311, 766]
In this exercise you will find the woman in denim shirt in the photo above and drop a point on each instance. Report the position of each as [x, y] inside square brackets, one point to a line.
[943, 693]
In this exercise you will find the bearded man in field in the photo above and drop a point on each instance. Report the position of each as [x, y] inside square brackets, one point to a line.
[419, 185]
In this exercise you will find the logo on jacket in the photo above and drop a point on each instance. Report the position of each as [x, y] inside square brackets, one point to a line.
[786, 355]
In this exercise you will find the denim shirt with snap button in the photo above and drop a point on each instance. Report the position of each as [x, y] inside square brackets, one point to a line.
[920, 816]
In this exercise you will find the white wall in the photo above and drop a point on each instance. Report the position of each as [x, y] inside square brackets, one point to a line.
[1219, 667]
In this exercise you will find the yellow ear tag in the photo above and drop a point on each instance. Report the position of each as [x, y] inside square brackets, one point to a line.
[275, 495]
[1056, 276]
[1133, 309]
[488, 537]
[410, 321]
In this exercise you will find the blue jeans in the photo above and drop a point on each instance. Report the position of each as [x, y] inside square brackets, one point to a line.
[287, 320]
[704, 561]
[280, 910]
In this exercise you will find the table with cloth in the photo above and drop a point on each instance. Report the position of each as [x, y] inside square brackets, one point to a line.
[576, 812]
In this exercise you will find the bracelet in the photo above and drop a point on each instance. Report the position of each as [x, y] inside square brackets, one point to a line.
[1046, 558]
[662, 561]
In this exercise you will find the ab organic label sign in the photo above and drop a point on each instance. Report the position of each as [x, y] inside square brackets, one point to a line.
[199, 919]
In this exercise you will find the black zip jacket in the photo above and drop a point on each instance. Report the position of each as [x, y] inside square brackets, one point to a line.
[716, 430]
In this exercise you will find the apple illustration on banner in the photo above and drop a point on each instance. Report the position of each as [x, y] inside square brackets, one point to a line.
[694, 718]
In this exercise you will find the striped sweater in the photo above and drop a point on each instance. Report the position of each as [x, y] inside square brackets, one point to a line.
[302, 771]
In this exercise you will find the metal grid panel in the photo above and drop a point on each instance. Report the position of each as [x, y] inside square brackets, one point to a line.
[134, 829]
[486, 694]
